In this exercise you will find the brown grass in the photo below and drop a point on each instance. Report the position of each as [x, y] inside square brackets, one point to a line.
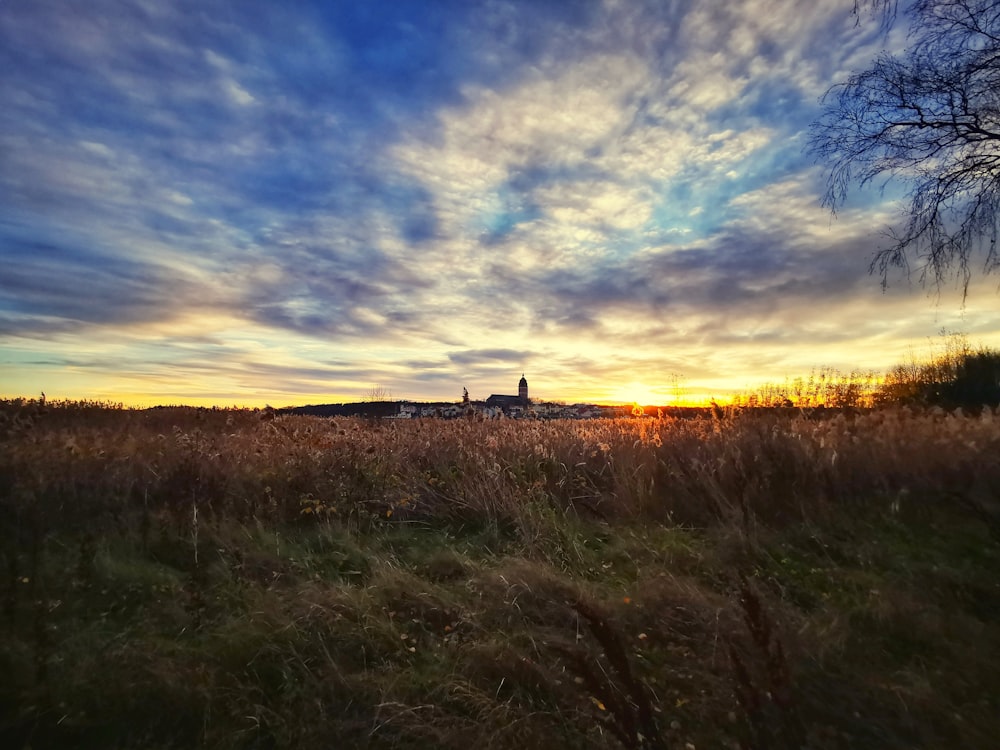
[175, 578]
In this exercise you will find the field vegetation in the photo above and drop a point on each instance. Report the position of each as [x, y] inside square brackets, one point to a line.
[956, 374]
[745, 578]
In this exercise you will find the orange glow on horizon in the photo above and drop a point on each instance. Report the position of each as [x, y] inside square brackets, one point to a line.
[140, 400]
[646, 395]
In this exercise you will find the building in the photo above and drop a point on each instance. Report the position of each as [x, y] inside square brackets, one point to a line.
[511, 404]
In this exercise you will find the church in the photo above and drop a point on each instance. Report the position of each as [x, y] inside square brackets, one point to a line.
[508, 402]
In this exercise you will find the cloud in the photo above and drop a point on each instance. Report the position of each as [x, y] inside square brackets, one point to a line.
[79, 285]
[428, 195]
[487, 356]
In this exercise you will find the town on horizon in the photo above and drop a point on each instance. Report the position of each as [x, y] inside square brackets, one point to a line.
[495, 406]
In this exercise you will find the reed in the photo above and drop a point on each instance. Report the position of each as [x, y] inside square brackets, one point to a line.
[765, 578]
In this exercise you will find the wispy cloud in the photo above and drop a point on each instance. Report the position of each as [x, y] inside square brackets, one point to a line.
[298, 202]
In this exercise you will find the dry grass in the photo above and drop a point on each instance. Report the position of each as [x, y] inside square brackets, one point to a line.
[177, 577]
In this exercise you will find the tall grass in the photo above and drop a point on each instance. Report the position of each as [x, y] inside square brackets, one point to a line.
[180, 577]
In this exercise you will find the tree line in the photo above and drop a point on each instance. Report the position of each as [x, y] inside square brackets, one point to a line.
[956, 375]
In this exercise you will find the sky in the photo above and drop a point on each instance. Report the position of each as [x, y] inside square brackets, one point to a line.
[238, 202]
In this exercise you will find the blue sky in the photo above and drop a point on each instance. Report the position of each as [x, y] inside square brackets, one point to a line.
[239, 202]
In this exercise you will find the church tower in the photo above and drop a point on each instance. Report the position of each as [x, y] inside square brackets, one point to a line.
[522, 389]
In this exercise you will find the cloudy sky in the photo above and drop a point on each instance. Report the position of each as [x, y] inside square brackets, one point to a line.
[247, 202]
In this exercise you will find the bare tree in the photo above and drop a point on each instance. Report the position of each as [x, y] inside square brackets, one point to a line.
[885, 10]
[379, 393]
[930, 118]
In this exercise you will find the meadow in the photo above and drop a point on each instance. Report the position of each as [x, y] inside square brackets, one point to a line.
[743, 578]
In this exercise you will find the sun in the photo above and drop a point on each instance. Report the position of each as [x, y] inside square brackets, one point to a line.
[642, 394]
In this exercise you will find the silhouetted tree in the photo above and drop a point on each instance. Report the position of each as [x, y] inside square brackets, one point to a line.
[977, 382]
[379, 393]
[931, 118]
[883, 9]
[957, 376]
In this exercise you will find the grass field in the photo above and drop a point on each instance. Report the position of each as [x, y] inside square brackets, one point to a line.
[758, 579]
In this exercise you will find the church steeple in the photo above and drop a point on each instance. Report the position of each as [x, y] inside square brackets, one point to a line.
[522, 389]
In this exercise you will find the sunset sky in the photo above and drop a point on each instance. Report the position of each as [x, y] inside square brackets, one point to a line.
[239, 202]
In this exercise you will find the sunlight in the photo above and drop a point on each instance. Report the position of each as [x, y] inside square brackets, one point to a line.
[645, 395]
